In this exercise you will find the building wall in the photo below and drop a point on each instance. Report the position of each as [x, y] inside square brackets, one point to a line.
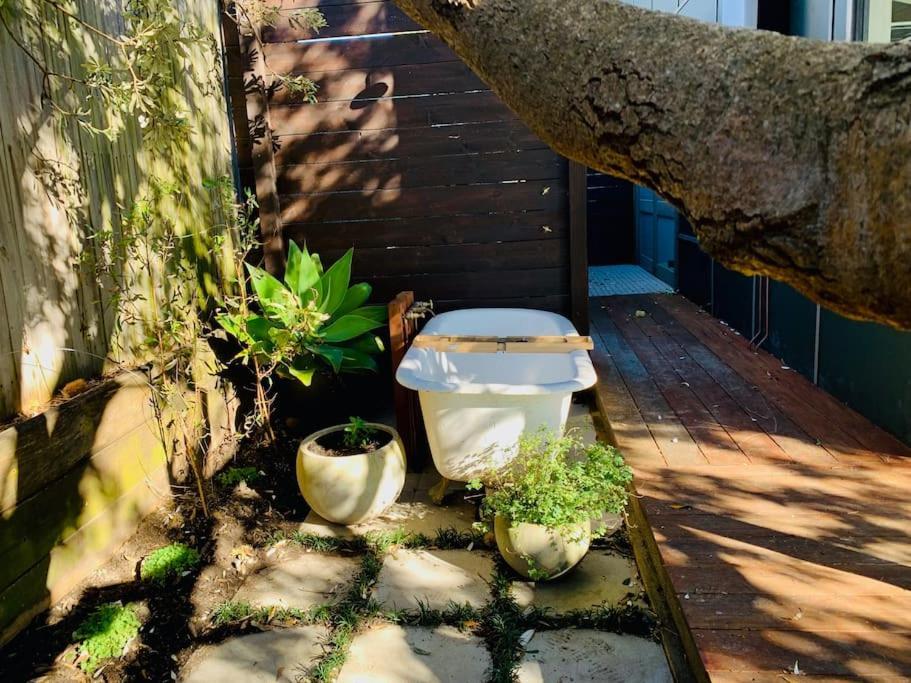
[867, 366]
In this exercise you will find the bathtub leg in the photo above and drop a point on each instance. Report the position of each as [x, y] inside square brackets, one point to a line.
[438, 491]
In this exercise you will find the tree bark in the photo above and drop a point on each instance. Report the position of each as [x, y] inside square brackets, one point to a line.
[790, 157]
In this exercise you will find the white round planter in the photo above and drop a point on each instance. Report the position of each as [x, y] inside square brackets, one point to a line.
[539, 552]
[350, 489]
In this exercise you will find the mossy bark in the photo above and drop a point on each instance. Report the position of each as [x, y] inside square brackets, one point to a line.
[791, 157]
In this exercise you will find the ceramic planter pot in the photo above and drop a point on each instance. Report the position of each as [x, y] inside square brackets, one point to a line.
[350, 489]
[539, 552]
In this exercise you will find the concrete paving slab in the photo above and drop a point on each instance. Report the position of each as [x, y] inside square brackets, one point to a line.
[282, 656]
[419, 517]
[393, 654]
[601, 578]
[305, 581]
[434, 578]
[581, 656]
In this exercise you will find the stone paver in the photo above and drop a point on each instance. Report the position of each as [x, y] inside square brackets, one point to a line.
[413, 512]
[434, 578]
[269, 657]
[305, 581]
[581, 422]
[392, 654]
[581, 655]
[598, 579]
[416, 517]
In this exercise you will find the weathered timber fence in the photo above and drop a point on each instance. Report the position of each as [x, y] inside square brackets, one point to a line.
[60, 184]
[76, 477]
[408, 157]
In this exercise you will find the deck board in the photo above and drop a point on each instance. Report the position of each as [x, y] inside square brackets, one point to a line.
[781, 518]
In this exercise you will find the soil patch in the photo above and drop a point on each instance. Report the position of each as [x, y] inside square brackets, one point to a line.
[176, 617]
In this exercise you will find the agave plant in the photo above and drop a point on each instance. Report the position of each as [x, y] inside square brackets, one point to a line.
[311, 319]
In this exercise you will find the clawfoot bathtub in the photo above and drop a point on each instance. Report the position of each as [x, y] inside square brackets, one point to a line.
[476, 405]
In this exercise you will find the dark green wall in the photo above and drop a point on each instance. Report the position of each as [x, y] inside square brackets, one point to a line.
[867, 366]
[792, 328]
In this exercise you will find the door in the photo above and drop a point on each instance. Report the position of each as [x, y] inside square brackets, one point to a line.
[656, 235]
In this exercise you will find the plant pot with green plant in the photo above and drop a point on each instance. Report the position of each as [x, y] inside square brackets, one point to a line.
[351, 473]
[309, 322]
[549, 502]
[312, 321]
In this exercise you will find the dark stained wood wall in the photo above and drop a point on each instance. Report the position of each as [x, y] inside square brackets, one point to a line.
[409, 158]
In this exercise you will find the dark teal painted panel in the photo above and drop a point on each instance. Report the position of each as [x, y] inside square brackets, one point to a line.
[733, 298]
[792, 328]
[868, 366]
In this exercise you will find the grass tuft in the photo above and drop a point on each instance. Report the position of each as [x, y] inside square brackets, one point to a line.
[168, 563]
[630, 619]
[235, 612]
[502, 627]
[105, 634]
[348, 615]
[462, 616]
[383, 541]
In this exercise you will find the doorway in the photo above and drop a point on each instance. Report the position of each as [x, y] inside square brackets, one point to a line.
[631, 239]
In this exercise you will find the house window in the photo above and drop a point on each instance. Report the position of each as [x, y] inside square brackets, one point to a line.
[887, 20]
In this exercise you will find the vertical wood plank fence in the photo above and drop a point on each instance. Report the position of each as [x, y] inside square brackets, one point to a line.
[76, 478]
[60, 184]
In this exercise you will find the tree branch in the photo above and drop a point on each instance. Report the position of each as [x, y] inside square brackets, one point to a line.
[790, 157]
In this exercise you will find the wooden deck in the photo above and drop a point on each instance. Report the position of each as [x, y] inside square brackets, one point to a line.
[779, 520]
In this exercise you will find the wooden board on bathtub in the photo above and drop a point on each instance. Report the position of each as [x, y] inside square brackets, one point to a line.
[485, 344]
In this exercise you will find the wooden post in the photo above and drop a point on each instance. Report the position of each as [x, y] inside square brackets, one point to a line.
[260, 132]
[578, 246]
[407, 416]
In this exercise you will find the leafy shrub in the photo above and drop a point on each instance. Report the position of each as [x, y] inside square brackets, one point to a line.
[234, 475]
[557, 482]
[168, 562]
[105, 634]
[312, 319]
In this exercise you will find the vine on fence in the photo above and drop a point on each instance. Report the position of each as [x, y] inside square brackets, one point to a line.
[168, 261]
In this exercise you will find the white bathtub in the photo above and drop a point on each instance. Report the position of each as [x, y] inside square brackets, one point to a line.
[476, 405]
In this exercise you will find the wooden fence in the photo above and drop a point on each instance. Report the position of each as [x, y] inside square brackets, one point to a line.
[408, 157]
[59, 184]
[76, 478]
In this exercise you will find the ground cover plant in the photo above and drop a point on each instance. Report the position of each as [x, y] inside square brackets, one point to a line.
[558, 482]
[168, 563]
[234, 475]
[105, 634]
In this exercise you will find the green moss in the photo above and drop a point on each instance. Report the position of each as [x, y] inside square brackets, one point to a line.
[105, 634]
[167, 563]
[234, 475]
